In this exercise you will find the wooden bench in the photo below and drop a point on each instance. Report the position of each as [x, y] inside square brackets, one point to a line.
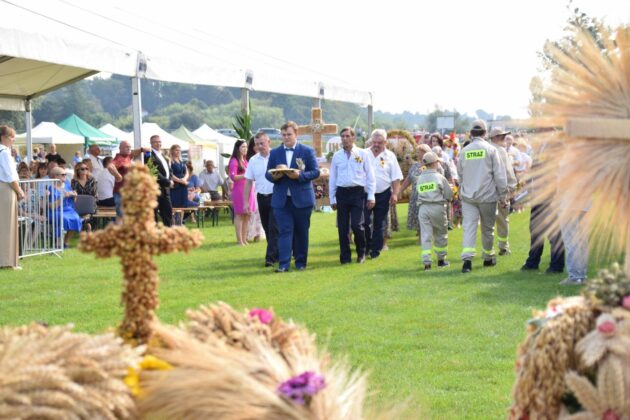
[214, 207]
[103, 215]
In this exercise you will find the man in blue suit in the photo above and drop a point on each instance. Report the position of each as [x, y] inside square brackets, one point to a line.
[293, 197]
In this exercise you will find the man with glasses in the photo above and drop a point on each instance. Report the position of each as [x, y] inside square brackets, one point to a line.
[256, 170]
[388, 178]
[352, 187]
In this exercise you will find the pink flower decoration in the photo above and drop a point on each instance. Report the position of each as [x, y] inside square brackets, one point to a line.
[626, 302]
[607, 327]
[611, 415]
[263, 315]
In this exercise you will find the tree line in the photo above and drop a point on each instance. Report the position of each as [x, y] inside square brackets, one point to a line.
[102, 100]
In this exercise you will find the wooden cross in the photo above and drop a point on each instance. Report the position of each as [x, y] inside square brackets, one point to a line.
[136, 240]
[317, 128]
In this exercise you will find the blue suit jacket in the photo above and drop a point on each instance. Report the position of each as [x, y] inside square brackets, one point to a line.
[302, 193]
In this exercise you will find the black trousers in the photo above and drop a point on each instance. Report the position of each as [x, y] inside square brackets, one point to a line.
[350, 206]
[374, 231]
[269, 226]
[165, 208]
[537, 230]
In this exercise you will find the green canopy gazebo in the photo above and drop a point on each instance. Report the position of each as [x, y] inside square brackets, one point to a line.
[92, 135]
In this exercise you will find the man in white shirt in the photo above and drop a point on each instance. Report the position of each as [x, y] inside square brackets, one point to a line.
[93, 154]
[351, 179]
[388, 178]
[210, 181]
[256, 170]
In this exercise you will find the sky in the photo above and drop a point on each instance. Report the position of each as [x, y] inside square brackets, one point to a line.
[413, 55]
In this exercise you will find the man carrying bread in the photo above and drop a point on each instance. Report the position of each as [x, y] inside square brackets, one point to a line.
[292, 167]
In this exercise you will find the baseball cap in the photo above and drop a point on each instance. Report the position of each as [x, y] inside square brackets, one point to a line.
[429, 158]
[479, 125]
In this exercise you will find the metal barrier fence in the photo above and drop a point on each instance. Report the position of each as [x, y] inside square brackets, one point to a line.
[40, 218]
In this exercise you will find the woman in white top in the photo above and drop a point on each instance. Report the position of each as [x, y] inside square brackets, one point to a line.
[10, 194]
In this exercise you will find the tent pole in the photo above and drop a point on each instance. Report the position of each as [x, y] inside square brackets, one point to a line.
[370, 118]
[28, 121]
[245, 101]
[137, 113]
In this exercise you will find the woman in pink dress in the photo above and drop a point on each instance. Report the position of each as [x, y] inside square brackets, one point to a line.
[236, 171]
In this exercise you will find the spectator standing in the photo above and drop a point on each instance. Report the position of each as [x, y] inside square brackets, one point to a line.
[105, 185]
[10, 194]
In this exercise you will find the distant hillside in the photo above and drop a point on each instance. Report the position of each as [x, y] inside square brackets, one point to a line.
[108, 100]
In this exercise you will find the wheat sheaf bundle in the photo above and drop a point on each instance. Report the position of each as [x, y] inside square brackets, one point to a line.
[544, 358]
[57, 374]
[212, 380]
[219, 321]
[589, 96]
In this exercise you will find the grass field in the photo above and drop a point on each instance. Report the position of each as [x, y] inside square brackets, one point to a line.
[442, 340]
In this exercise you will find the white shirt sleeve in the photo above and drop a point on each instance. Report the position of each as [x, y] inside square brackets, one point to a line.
[370, 182]
[249, 172]
[332, 181]
[8, 169]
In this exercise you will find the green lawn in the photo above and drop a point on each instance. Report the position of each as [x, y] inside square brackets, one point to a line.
[443, 340]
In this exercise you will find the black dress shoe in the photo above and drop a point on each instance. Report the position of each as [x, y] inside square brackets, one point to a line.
[282, 270]
[300, 268]
[268, 264]
[467, 267]
[361, 259]
[553, 271]
[528, 268]
[427, 267]
[443, 263]
[345, 262]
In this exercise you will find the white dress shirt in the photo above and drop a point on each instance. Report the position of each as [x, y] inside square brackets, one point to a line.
[352, 169]
[8, 169]
[97, 164]
[164, 162]
[386, 169]
[289, 155]
[256, 170]
[104, 185]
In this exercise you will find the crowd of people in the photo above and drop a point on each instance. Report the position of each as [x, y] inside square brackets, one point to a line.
[468, 182]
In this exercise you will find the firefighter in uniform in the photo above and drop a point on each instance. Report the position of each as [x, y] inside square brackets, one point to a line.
[433, 193]
[497, 139]
[483, 184]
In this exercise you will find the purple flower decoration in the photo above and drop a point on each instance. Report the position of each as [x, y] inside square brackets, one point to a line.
[300, 389]
[263, 315]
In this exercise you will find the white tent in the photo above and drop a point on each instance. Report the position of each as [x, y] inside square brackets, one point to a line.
[207, 133]
[61, 41]
[333, 144]
[50, 133]
[151, 129]
[114, 131]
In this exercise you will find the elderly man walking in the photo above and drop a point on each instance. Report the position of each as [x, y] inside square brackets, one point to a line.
[255, 173]
[388, 177]
[483, 184]
[497, 139]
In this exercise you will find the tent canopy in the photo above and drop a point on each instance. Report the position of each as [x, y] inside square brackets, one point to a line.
[50, 133]
[183, 133]
[168, 140]
[208, 134]
[116, 132]
[46, 45]
[92, 135]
